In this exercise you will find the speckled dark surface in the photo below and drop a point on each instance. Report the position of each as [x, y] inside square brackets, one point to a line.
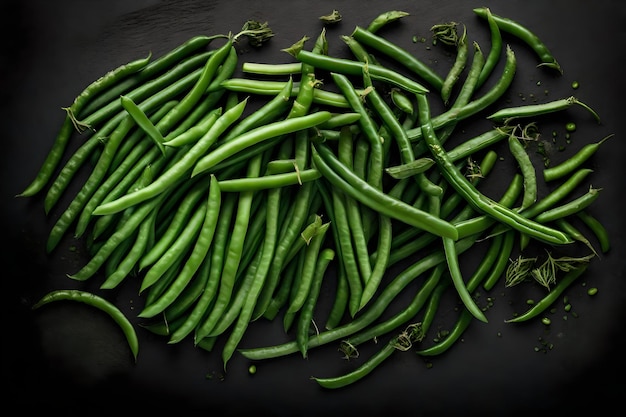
[71, 359]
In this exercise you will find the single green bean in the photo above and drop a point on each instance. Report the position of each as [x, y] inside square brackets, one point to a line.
[543, 304]
[100, 303]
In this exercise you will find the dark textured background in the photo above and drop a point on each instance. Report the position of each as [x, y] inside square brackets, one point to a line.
[69, 358]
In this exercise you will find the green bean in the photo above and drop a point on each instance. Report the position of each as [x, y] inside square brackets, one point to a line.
[179, 169]
[197, 255]
[193, 134]
[597, 228]
[233, 256]
[183, 305]
[368, 315]
[471, 83]
[523, 33]
[59, 145]
[385, 18]
[287, 237]
[269, 181]
[216, 262]
[543, 304]
[557, 194]
[383, 250]
[69, 170]
[268, 87]
[303, 286]
[496, 48]
[575, 161]
[89, 187]
[402, 56]
[468, 227]
[339, 120]
[474, 106]
[259, 68]
[473, 196]
[174, 228]
[401, 101]
[100, 303]
[350, 67]
[175, 56]
[344, 179]
[527, 169]
[530, 110]
[122, 233]
[501, 260]
[571, 207]
[458, 66]
[263, 268]
[274, 107]
[257, 135]
[399, 134]
[353, 210]
[168, 85]
[244, 282]
[305, 319]
[574, 233]
[132, 258]
[424, 294]
[143, 121]
[362, 371]
[463, 323]
[457, 280]
[477, 143]
[348, 256]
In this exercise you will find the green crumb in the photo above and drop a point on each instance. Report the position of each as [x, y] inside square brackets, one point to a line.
[575, 85]
[592, 291]
[568, 307]
[570, 127]
[252, 369]
[546, 321]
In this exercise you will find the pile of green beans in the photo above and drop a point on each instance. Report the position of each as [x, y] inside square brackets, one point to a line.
[225, 212]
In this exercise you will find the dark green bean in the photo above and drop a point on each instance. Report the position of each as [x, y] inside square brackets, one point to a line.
[597, 228]
[575, 161]
[523, 33]
[347, 181]
[473, 196]
[571, 207]
[305, 319]
[59, 145]
[399, 54]
[385, 18]
[179, 169]
[543, 304]
[350, 67]
[368, 315]
[100, 303]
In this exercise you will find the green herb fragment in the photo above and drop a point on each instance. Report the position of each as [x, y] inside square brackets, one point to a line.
[257, 33]
[575, 85]
[252, 369]
[294, 49]
[570, 127]
[518, 270]
[333, 17]
[592, 291]
[546, 321]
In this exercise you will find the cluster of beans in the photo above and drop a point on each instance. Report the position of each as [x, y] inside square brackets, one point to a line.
[228, 215]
